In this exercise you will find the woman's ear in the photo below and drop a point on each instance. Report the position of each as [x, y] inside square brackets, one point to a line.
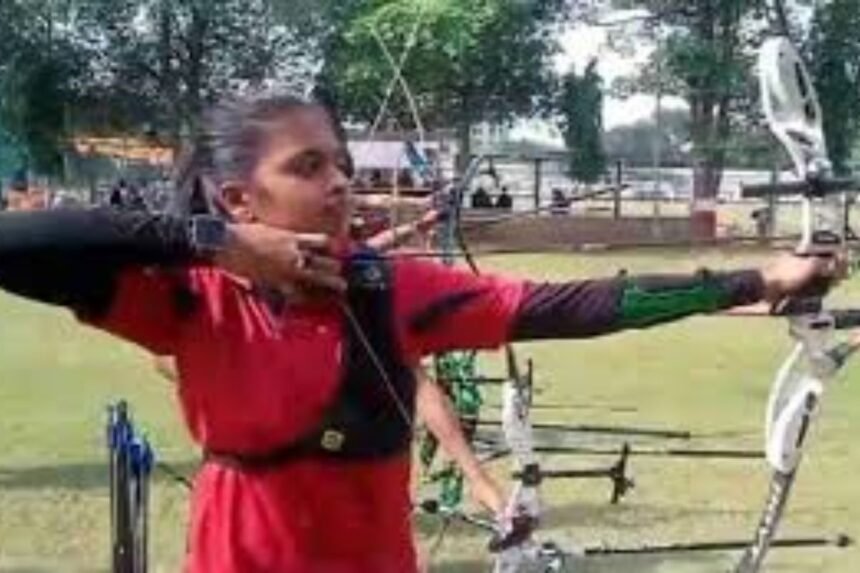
[236, 200]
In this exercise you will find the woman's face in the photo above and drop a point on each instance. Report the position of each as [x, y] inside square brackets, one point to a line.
[301, 179]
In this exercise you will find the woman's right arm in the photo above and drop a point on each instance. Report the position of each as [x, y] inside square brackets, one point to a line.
[434, 407]
[104, 265]
[73, 257]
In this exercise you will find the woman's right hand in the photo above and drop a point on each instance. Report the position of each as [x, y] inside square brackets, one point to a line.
[487, 492]
[279, 258]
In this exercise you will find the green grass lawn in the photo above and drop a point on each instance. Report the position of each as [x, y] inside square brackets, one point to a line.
[703, 375]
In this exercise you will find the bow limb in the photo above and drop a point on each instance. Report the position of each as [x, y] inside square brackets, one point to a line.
[513, 540]
[455, 370]
[522, 515]
[397, 67]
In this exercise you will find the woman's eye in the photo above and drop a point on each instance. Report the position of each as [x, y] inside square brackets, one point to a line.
[346, 166]
[310, 164]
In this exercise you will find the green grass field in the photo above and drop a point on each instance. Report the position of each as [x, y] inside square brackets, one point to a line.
[703, 375]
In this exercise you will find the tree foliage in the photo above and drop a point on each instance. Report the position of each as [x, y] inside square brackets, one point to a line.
[467, 62]
[580, 106]
[705, 57]
[158, 63]
[834, 50]
[37, 80]
[634, 143]
[137, 66]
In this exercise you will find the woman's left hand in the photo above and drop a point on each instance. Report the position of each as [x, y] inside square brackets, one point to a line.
[789, 275]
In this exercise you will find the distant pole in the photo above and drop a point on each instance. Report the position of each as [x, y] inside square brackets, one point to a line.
[616, 195]
[69, 140]
[537, 182]
[771, 199]
[657, 148]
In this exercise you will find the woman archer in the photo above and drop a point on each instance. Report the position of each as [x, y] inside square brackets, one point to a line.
[296, 347]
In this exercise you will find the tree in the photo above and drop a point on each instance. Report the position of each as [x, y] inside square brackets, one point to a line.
[834, 50]
[35, 109]
[139, 67]
[158, 63]
[634, 143]
[10, 158]
[467, 62]
[135, 67]
[705, 57]
[580, 106]
[37, 81]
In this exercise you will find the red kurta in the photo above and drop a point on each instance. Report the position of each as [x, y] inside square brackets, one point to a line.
[251, 381]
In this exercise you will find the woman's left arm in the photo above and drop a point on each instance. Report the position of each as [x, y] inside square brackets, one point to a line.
[442, 309]
[596, 307]
[592, 308]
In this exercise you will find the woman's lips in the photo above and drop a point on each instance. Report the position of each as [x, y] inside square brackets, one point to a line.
[336, 210]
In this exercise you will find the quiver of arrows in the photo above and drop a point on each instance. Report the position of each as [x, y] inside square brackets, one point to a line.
[131, 460]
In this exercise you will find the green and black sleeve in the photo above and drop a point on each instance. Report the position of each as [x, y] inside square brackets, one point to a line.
[591, 308]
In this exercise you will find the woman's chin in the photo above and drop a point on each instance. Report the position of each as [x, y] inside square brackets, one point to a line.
[337, 228]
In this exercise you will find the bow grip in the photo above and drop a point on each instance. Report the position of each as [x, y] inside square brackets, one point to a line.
[822, 244]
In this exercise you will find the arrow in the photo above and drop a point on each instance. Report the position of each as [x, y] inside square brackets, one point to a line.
[597, 429]
[501, 452]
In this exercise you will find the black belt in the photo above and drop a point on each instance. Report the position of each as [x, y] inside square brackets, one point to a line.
[263, 461]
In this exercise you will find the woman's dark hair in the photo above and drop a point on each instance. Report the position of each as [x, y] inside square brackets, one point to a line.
[195, 189]
[230, 143]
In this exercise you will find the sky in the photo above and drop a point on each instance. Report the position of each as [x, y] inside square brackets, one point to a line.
[580, 43]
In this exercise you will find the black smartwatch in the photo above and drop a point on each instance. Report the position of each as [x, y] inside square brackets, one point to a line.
[208, 235]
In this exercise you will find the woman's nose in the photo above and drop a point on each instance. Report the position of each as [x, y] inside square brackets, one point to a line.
[338, 180]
